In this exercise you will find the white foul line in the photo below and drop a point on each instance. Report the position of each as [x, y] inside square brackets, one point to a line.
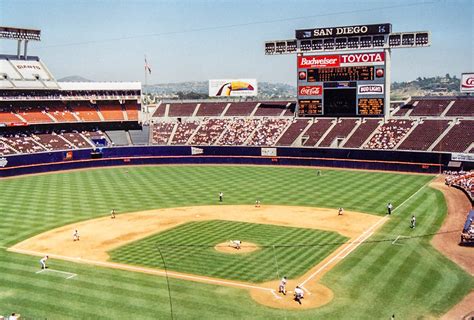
[344, 250]
[401, 204]
[393, 242]
[146, 270]
[276, 296]
[70, 274]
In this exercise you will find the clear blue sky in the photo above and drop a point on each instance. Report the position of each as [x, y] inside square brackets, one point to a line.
[178, 51]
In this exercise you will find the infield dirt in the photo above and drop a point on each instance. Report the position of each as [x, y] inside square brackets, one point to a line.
[98, 236]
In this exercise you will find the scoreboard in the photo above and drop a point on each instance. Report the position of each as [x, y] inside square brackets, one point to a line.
[339, 85]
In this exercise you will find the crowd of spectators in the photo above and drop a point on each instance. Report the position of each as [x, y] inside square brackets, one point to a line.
[238, 131]
[67, 94]
[390, 134]
[268, 131]
[461, 179]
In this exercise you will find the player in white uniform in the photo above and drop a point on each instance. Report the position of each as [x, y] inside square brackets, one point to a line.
[340, 212]
[282, 286]
[235, 243]
[75, 235]
[299, 294]
[43, 262]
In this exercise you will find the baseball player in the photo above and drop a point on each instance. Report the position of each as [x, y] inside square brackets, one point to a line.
[112, 214]
[43, 262]
[413, 222]
[236, 244]
[340, 211]
[282, 286]
[257, 203]
[299, 294]
[75, 235]
[221, 196]
[389, 208]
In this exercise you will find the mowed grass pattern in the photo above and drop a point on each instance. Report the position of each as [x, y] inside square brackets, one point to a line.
[411, 280]
[190, 248]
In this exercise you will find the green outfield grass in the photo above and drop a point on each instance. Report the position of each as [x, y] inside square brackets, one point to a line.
[411, 280]
[190, 248]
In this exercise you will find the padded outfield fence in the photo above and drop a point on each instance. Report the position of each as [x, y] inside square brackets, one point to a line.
[421, 162]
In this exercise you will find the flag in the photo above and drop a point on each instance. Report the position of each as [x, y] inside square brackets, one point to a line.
[147, 66]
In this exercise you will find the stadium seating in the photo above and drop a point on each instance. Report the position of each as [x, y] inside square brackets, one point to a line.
[463, 107]
[362, 133]
[34, 114]
[23, 143]
[268, 109]
[340, 131]
[316, 131]
[60, 112]
[132, 111]
[181, 109]
[390, 134]
[209, 131]
[458, 139]
[8, 116]
[211, 109]
[241, 109]
[424, 135]
[183, 132]
[268, 131]
[77, 139]
[160, 111]
[238, 131]
[162, 132]
[85, 111]
[140, 137]
[293, 132]
[430, 107]
[111, 112]
[52, 141]
[118, 137]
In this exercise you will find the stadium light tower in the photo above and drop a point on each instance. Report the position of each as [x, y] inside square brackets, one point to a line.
[20, 34]
[345, 71]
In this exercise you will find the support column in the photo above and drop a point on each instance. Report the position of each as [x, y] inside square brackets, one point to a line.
[387, 83]
[18, 50]
[25, 49]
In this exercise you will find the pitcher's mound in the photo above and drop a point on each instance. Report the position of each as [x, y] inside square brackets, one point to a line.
[245, 247]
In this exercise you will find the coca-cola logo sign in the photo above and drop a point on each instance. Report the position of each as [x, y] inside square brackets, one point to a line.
[318, 61]
[310, 90]
[467, 82]
[370, 89]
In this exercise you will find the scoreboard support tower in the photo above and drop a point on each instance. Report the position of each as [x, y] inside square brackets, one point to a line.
[388, 76]
[345, 71]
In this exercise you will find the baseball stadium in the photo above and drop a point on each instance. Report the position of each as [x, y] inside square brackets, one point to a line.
[339, 203]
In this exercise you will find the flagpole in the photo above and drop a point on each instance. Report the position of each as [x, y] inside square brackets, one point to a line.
[146, 75]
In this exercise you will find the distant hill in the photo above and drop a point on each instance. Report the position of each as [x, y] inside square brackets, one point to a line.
[433, 86]
[74, 79]
[266, 90]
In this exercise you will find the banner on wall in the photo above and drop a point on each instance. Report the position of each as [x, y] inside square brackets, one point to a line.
[269, 152]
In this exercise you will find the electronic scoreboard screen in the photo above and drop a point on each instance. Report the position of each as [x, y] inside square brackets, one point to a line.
[340, 102]
[370, 106]
[360, 73]
[310, 107]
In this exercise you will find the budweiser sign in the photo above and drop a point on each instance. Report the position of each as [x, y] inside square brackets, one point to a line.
[310, 90]
[370, 89]
[363, 58]
[467, 82]
[318, 61]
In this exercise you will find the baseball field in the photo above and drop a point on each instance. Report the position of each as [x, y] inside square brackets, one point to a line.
[363, 264]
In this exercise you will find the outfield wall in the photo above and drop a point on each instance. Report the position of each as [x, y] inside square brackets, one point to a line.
[421, 162]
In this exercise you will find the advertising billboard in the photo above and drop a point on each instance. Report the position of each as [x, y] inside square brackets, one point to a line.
[233, 88]
[467, 82]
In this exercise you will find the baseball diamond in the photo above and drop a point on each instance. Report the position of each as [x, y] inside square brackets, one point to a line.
[372, 270]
